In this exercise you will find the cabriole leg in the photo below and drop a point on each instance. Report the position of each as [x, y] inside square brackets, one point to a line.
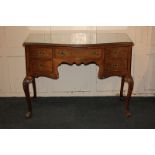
[121, 90]
[34, 88]
[26, 83]
[130, 82]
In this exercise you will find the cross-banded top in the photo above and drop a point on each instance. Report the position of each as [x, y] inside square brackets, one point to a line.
[77, 38]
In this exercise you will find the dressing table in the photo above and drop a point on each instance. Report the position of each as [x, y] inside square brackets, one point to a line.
[112, 52]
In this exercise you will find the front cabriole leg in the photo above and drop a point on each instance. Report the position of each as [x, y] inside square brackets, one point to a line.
[34, 88]
[121, 90]
[26, 82]
[130, 82]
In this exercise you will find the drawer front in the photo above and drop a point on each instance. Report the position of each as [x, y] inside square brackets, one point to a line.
[116, 67]
[116, 52]
[41, 67]
[77, 53]
[40, 52]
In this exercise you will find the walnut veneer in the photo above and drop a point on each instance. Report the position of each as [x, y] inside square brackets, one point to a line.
[112, 57]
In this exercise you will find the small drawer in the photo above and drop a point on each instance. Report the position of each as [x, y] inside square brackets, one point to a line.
[77, 53]
[40, 52]
[41, 67]
[116, 66]
[116, 52]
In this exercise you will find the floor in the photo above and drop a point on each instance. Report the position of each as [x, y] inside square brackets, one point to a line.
[77, 113]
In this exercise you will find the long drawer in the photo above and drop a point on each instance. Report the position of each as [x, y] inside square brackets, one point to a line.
[77, 53]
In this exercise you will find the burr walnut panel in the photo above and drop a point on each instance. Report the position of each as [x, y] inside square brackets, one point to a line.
[116, 52]
[78, 53]
[119, 67]
[40, 52]
[38, 67]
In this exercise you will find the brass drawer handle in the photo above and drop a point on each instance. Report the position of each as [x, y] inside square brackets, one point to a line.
[95, 53]
[114, 66]
[40, 66]
[41, 53]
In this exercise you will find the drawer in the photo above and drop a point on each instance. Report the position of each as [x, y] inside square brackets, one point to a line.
[116, 52]
[40, 52]
[77, 53]
[119, 66]
[40, 67]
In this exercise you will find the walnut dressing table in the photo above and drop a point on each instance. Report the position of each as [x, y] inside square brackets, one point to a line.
[45, 52]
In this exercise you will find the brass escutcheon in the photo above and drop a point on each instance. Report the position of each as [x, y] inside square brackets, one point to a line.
[115, 52]
[41, 53]
[62, 53]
